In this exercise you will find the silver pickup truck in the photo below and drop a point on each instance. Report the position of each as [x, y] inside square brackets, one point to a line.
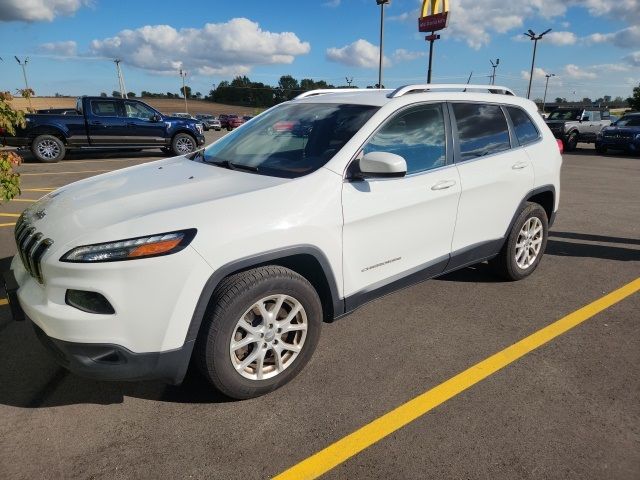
[577, 124]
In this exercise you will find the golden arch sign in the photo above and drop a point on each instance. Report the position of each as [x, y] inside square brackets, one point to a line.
[434, 15]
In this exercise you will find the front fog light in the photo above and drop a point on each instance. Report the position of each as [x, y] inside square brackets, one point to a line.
[131, 249]
[90, 302]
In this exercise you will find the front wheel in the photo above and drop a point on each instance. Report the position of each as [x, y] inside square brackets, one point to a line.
[525, 244]
[183, 143]
[601, 150]
[48, 149]
[571, 142]
[262, 330]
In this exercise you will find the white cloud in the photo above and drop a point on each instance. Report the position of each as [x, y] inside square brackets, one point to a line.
[332, 3]
[561, 38]
[64, 49]
[633, 59]
[537, 73]
[575, 72]
[227, 48]
[37, 10]
[357, 54]
[625, 38]
[402, 55]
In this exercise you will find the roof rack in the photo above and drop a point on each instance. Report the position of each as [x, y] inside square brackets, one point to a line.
[313, 93]
[398, 92]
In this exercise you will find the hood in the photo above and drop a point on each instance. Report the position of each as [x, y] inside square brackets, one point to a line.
[169, 118]
[131, 193]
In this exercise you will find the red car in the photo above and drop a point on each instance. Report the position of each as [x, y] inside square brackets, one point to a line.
[232, 121]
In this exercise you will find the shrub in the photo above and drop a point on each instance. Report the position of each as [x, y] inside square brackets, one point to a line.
[9, 120]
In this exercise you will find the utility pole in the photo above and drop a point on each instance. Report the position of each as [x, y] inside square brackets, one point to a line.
[183, 75]
[24, 74]
[546, 86]
[123, 89]
[349, 81]
[382, 3]
[530, 33]
[431, 39]
[494, 65]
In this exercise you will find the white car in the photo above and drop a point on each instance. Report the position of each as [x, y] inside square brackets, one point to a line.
[235, 255]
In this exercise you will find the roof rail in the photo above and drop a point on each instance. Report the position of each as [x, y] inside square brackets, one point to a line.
[398, 92]
[313, 93]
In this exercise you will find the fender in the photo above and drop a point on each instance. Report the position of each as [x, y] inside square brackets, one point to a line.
[523, 204]
[55, 129]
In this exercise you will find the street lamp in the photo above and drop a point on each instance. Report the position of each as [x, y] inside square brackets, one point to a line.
[382, 3]
[530, 33]
[494, 65]
[544, 100]
[24, 74]
[183, 74]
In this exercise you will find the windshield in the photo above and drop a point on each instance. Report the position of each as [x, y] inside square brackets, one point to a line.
[291, 140]
[565, 115]
[628, 121]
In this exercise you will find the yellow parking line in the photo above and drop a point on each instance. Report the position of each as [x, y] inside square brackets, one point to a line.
[347, 447]
[63, 173]
[4, 301]
[38, 189]
[9, 214]
[23, 200]
[7, 224]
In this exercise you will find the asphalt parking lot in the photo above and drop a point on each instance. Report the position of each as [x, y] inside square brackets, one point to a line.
[570, 409]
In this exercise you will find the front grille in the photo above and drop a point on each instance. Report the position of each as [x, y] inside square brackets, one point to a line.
[31, 247]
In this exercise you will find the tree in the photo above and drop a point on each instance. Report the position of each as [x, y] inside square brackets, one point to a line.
[587, 100]
[198, 95]
[103, 94]
[186, 91]
[561, 100]
[116, 94]
[9, 120]
[607, 99]
[634, 101]
[131, 94]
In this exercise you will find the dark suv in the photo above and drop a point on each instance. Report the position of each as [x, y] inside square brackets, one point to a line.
[624, 134]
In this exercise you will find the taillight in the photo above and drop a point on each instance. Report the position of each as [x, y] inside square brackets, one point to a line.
[2, 131]
[560, 146]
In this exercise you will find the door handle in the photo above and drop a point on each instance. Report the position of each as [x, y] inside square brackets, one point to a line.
[519, 165]
[443, 185]
[96, 122]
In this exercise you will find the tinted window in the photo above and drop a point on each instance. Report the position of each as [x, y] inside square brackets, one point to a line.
[629, 121]
[595, 116]
[526, 131]
[138, 110]
[104, 108]
[482, 130]
[417, 135]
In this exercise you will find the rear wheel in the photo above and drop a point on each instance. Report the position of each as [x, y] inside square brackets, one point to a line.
[48, 149]
[525, 244]
[571, 143]
[183, 143]
[262, 330]
[601, 149]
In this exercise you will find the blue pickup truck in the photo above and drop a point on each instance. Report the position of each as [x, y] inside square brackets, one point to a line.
[106, 123]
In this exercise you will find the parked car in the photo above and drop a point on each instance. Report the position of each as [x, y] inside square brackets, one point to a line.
[101, 123]
[246, 118]
[573, 125]
[233, 121]
[236, 254]
[209, 121]
[624, 134]
[183, 115]
[223, 120]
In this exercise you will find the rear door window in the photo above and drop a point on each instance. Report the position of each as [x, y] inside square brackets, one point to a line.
[525, 129]
[104, 108]
[482, 130]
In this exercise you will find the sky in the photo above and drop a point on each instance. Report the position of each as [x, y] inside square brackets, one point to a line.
[593, 49]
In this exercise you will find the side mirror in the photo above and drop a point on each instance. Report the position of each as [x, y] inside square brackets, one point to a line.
[156, 118]
[381, 165]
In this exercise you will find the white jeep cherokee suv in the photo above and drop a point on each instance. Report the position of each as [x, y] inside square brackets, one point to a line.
[235, 255]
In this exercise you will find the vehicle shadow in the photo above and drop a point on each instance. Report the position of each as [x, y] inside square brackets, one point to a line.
[132, 154]
[590, 151]
[589, 250]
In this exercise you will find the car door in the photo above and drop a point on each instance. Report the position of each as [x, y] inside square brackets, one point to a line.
[105, 123]
[398, 230]
[592, 126]
[495, 179]
[145, 126]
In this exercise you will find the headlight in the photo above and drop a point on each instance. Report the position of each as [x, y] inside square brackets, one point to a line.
[132, 248]
[199, 128]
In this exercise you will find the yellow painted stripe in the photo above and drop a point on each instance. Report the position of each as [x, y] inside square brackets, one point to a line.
[3, 301]
[23, 200]
[9, 214]
[37, 189]
[345, 448]
[62, 173]
[7, 224]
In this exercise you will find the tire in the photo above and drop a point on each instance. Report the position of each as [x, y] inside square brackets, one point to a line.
[571, 143]
[234, 301]
[229, 129]
[183, 143]
[510, 263]
[167, 150]
[48, 149]
[601, 150]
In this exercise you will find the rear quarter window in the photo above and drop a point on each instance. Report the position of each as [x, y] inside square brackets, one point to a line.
[482, 130]
[525, 129]
[104, 108]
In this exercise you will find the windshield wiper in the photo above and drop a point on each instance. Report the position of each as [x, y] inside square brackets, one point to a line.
[234, 166]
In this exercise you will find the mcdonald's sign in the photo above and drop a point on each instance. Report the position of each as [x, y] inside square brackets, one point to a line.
[434, 16]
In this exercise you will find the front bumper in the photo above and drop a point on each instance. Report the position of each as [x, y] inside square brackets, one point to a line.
[200, 139]
[627, 144]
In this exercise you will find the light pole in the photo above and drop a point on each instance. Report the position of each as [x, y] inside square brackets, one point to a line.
[183, 74]
[530, 33]
[494, 65]
[24, 74]
[382, 3]
[349, 81]
[544, 100]
[123, 89]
